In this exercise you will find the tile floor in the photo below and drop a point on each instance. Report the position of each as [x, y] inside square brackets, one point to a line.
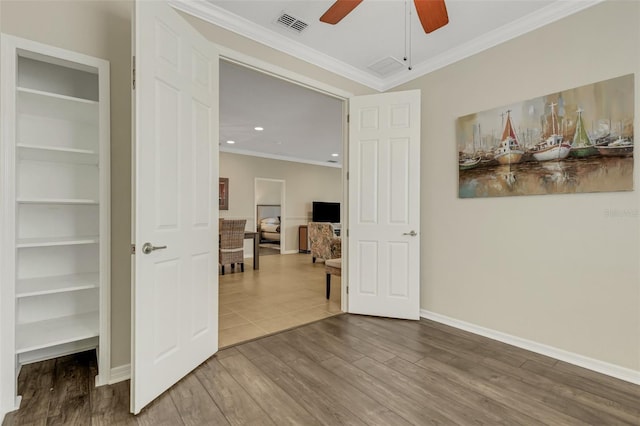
[287, 291]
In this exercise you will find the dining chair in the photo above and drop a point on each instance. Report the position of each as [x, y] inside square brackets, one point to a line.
[232, 243]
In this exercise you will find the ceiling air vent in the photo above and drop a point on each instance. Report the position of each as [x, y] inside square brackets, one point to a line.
[386, 66]
[291, 22]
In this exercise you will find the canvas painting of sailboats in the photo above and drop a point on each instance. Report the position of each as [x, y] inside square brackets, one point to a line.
[574, 141]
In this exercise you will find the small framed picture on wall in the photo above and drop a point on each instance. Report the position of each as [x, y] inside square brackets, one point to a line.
[223, 194]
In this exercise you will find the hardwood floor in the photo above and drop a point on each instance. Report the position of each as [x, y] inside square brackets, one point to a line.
[346, 369]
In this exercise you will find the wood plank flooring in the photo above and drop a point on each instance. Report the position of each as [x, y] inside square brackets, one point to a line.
[347, 369]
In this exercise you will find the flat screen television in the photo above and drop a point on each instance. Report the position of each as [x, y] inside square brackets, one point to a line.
[326, 212]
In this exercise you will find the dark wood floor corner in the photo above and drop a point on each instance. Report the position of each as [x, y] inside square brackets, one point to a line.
[344, 370]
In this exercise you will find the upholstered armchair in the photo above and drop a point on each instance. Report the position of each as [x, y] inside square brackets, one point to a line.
[324, 244]
[231, 243]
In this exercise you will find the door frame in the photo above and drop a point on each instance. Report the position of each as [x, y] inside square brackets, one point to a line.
[247, 61]
[283, 208]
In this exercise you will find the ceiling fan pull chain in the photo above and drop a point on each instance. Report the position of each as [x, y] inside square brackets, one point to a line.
[410, 44]
[405, 30]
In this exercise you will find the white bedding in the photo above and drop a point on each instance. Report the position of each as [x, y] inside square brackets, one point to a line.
[270, 227]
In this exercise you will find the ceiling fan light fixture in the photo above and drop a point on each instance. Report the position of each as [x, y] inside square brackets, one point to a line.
[339, 10]
[432, 14]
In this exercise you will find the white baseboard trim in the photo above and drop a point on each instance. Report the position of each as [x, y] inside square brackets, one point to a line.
[612, 370]
[120, 374]
[290, 252]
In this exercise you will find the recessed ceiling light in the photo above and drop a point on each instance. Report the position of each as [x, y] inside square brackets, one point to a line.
[231, 142]
[335, 155]
[259, 129]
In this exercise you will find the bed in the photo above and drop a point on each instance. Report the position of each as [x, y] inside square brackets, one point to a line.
[268, 225]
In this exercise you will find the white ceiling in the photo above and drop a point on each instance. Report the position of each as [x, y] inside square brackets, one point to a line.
[375, 30]
[303, 125]
[299, 124]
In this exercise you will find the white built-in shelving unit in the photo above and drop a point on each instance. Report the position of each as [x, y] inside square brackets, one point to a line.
[55, 214]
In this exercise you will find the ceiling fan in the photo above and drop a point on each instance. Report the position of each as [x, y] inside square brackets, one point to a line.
[432, 13]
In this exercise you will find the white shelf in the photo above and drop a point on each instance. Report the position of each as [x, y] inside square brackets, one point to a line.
[53, 106]
[59, 256]
[55, 96]
[56, 331]
[58, 284]
[58, 350]
[79, 201]
[57, 154]
[50, 242]
[57, 149]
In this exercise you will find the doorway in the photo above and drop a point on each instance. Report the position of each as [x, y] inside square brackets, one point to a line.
[289, 289]
[270, 220]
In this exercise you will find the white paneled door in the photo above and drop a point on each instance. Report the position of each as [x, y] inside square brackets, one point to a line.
[384, 205]
[175, 290]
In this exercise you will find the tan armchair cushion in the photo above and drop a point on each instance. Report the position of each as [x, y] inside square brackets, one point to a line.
[324, 244]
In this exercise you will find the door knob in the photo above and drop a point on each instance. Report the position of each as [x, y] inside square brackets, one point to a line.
[412, 234]
[148, 248]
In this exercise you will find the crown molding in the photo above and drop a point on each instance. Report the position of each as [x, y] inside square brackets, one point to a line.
[239, 25]
[279, 157]
[222, 18]
[551, 13]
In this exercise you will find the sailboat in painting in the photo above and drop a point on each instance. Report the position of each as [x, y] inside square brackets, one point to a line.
[552, 148]
[581, 146]
[509, 150]
[621, 147]
[468, 163]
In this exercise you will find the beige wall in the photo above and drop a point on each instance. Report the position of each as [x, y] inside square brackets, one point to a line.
[304, 183]
[268, 191]
[571, 283]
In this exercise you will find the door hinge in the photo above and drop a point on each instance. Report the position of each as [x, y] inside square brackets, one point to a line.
[133, 249]
[347, 175]
[348, 118]
[347, 289]
[133, 73]
[347, 233]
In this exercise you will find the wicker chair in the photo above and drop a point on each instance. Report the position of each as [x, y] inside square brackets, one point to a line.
[324, 244]
[232, 243]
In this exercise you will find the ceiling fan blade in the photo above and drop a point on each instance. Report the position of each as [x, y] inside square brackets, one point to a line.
[432, 14]
[339, 10]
